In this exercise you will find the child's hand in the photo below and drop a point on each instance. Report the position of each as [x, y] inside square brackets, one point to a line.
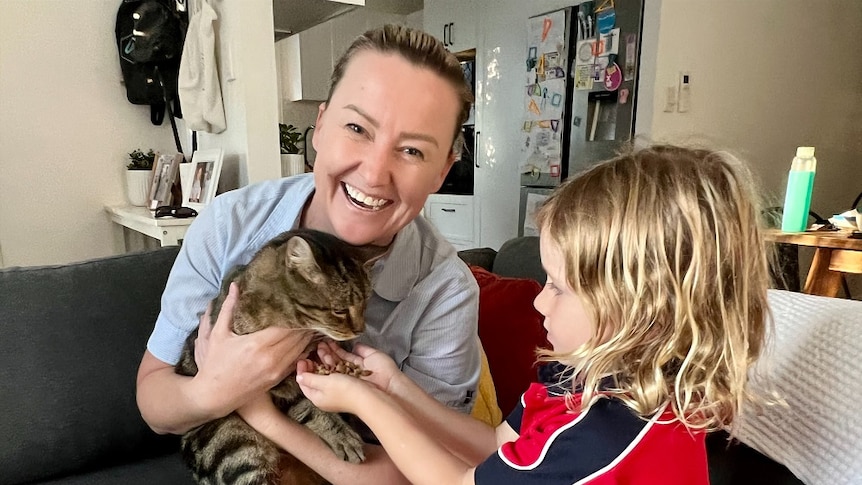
[337, 393]
[382, 367]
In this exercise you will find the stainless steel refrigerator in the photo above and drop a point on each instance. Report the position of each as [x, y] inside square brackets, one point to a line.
[581, 68]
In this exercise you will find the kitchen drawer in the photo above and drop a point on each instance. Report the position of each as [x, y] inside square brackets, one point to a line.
[453, 218]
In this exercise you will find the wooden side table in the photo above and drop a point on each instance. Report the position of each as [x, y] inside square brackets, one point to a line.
[835, 253]
[168, 230]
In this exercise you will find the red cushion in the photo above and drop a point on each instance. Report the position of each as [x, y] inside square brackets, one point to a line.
[510, 330]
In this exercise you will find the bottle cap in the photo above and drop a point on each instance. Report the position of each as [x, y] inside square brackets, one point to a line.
[805, 152]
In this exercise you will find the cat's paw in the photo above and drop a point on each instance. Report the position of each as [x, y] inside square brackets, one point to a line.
[349, 446]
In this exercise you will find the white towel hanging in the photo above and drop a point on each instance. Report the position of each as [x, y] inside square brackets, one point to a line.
[198, 84]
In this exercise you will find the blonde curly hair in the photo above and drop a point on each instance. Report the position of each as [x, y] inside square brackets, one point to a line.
[664, 247]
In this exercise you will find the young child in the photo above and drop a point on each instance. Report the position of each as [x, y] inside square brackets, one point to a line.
[655, 302]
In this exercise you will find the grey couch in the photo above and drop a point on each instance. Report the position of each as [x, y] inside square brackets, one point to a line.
[71, 338]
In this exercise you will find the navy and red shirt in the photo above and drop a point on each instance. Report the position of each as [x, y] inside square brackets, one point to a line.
[607, 444]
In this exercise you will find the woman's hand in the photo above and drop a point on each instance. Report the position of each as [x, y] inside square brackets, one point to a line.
[234, 368]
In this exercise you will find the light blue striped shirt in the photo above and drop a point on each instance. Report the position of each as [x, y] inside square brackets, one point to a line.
[423, 312]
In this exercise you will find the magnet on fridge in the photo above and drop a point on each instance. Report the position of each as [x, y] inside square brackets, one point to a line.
[598, 48]
[556, 99]
[624, 96]
[613, 77]
[604, 5]
[546, 27]
[631, 53]
[555, 170]
[606, 20]
[555, 124]
[576, 121]
[528, 125]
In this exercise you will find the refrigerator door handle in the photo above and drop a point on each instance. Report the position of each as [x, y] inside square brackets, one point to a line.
[475, 155]
[451, 42]
[447, 210]
[446, 34]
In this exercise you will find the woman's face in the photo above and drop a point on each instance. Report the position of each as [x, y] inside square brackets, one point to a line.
[384, 143]
[566, 319]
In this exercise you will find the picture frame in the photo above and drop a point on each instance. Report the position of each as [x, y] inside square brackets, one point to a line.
[164, 174]
[200, 177]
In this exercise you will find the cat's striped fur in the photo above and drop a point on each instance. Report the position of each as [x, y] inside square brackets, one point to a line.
[301, 279]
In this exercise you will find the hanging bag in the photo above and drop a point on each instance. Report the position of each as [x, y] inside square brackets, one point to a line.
[150, 36]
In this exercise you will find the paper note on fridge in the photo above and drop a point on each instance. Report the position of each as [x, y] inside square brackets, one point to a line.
[610, 43]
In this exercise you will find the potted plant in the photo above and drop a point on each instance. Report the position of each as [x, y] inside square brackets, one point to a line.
[138, 176]
[292, 161]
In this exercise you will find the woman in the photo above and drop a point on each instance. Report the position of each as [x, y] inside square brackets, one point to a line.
[384, 142]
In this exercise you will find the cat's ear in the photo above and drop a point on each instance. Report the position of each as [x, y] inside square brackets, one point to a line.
[301, 257]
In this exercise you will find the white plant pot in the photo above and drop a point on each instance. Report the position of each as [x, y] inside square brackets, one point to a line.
[138, 186]
[292, 164]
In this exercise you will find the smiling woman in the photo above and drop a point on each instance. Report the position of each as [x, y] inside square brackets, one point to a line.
[384, 142]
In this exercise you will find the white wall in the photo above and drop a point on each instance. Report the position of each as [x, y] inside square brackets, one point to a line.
[65, 130]
[66, 126]
[767, 76]
[247, 55]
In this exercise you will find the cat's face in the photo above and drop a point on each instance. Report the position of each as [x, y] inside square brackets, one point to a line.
[334, 285]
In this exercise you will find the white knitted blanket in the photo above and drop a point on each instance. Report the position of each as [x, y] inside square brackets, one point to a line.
[815, 362]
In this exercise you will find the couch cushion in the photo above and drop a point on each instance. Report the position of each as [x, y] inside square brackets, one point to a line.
[72, 339]
[813, 362]
[163, 470]
[519, 258]
[483, 257]
[510, 330]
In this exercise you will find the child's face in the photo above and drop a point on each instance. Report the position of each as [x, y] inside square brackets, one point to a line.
[566, 320]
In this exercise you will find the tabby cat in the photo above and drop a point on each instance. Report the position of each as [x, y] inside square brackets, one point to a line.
[301, 279]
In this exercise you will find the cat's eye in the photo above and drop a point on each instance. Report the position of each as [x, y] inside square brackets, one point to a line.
[339, 313]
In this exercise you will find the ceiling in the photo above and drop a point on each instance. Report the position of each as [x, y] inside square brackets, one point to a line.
[291, 16]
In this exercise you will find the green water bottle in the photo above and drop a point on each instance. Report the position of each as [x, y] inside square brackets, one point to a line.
[800, 182]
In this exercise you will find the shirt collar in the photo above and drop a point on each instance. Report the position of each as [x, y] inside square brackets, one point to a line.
[398, 272]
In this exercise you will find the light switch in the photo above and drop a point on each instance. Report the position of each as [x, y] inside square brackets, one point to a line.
[684, 103]
[670, 99]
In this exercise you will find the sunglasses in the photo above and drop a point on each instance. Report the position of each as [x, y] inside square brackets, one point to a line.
[178, 212]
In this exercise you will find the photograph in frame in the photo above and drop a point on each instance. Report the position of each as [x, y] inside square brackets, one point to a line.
[200, 177]
[164, 174]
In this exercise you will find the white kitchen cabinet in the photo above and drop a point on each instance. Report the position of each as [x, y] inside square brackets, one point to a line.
[453, 22]
[346, 28]
[456, 217]
[305, 60]
[306, 63]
